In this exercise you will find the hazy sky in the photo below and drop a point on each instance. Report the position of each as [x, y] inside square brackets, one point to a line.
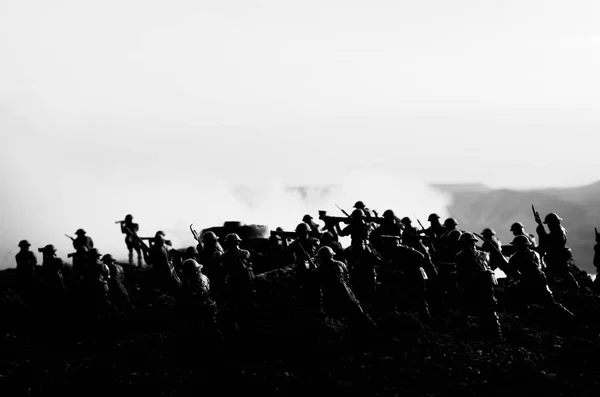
[140, 106]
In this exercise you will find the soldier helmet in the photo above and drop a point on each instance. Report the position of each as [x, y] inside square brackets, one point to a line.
[325, 252]
[516, 226]
[358, 214]
[307, 218]
[160, 232]
[210, 236]
[128, 218]
[450, 222]
[467, 237]
[160, 236]
[488, 232]
[233, 238]
[108, 258]
[521, 241]
[389, 214]
[360, 205]
[406, 220]
[327, 236]
[191, 250]
[49, 249]
[303, 228]
[24, 243]
[552, 218]
[433, 217]
[94, 252]
[82, 248]
[190, 265]
[80, 232]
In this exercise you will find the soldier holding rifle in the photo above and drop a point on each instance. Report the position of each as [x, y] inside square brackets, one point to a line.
[131, 242]
[553, 246]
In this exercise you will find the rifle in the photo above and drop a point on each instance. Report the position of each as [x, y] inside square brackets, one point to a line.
[420, 224]
[194, 233]
[310, 261]
[536, 216]
[345, 213]
[72, 239]
[504, 259]
[330, 220]
[283, 234]
[117, 222]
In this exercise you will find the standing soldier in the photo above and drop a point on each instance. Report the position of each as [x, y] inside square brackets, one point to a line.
[390, 226]
[131, 230]
[493, 246]
[82, 240]
[436, 229]
[159, 256]
[314, 227]
[211, 262]
[239, 278]
[26, 265]
[557, 256]
[526, 265]
[518, 229]
[200, 309]
[303, 249]
[361, 258]
[359, 205]
[118, 294]
[53, 280]
[477, 282]
[337, 298]
[98, 276]
[409, 279]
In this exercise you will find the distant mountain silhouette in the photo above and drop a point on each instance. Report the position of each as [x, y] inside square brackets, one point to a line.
[476, 207]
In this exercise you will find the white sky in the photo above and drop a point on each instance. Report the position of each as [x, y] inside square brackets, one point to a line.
[109, 102]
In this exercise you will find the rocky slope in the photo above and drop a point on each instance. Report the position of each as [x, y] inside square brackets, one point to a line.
[153, 353]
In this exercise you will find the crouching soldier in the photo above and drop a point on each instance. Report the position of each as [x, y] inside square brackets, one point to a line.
[197, 305]
[526, 265]
[337, 298]
[118, 294]
[477, 281]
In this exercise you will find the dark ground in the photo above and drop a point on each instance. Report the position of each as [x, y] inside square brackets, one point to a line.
[154, 353]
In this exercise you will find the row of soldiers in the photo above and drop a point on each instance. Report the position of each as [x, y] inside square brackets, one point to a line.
[333, 279]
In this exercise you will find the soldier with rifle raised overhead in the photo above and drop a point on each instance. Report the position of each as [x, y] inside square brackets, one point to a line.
[302, 250]
[526, 266]
[553, 246]
[26, 266]
[477, 281]
[361, 258]
[131, 229]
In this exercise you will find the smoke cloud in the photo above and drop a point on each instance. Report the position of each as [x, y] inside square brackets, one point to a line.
[44, 207]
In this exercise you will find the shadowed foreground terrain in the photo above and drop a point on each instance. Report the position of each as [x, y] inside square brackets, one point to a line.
[153, 352]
